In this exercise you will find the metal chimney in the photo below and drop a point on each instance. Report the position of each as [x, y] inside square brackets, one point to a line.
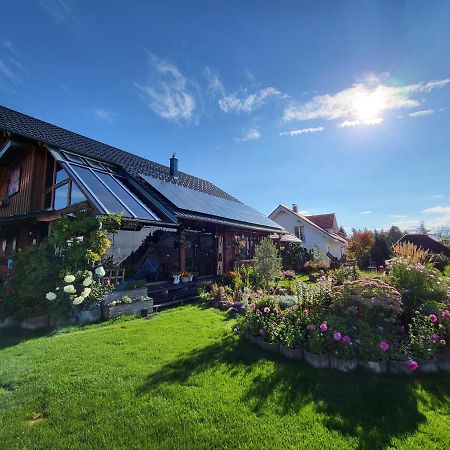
[295, 207]
[173, 166]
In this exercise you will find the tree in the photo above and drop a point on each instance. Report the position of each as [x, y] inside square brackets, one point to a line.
[394, 234]
[267, 262]
[422, 228]
[360, 245]
[342, 231]
[442, 235]
[380, 250]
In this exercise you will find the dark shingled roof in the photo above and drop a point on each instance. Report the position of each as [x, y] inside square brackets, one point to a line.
[52, 135]
[427, 243]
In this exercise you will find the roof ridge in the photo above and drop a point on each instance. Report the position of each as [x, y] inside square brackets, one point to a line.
[31, 127]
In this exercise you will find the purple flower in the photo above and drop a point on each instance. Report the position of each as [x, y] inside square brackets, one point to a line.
[262, 332]
[384, 346]
[346, 340]
[312, 327]
[337, 336]
[445, 314]
[436, 337]
[253, 305]
[267, 310]
[323, 327]
[402, 329]
[412, 365]
[433, 318]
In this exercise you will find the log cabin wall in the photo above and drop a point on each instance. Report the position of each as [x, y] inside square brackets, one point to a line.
[29, 198]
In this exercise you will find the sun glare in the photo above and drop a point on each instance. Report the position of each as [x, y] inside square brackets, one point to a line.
[369, 105]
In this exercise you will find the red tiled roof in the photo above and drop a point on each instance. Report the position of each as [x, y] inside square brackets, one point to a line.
[427, 243]
[325, 221]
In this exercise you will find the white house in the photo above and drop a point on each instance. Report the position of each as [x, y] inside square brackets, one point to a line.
[319, 234]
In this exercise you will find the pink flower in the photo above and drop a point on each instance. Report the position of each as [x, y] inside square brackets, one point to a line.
[275, 310]
[384, 346]
[311, 327]
[346, 340]
[253, 305]
[267, 310]
[412, 365]
[323, 327]
[445, 314]
[262, 332]
[436, 337]
[337, 336]
[433, 318]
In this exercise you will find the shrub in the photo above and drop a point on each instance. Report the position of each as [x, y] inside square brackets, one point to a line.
[316, 265]
[411, 252]
[341, 274]
[359, 246]
[267, 263]
[316, 339]
[422, 332]
[284, 301]
[292, 329]
[418, 283]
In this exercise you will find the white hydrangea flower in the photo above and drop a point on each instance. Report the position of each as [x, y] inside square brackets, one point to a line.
[100, 271]
[78, 300]
[69, 279]
[86, 292]
[50, 296]
[87, 281]
[70, 289]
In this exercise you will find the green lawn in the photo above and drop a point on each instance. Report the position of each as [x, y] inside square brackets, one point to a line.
[182, 380]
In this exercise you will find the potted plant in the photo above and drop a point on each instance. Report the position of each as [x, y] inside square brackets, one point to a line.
[176, 278]
[291, 340]
[342, 352]
[443, 354]
[316, 352]
[185, 277]
[90, 309]
[372, 351]
[400, 362]
[422, 339]
[269, 321]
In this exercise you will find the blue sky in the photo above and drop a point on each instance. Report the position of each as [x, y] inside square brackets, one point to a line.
[336, 106]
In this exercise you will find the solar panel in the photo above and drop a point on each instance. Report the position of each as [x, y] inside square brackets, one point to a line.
[111, 195]
[192, 200]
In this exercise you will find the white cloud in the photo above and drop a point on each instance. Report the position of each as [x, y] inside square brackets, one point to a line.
[357, 123]
[167, 92]
[438, 210]
[214, 84]
[302, 131]
[365, 98]
[407, 223]
[247, 103]
[424, 112]
[438, 196]
[61, 11]
[365, 213]
[252, 134]
[104, 114]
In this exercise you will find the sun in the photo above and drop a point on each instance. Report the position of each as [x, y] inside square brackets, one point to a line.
[369, 105]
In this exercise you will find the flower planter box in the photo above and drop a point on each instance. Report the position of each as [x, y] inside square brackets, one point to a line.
[9, 322]
[428, 365]
[185, 279]
[273, 347]
[375, 366]
[343, 365]
[399, 367]
[317, 361]
[89, 316]
[35, 323]
[127, 309]
[291, 353]
[132, 293]
[444, 362]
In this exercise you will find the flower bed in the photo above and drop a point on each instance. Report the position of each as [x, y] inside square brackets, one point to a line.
[127, 306]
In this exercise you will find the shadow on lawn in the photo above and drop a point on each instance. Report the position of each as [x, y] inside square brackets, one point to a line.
[13, 336]
[374, 409]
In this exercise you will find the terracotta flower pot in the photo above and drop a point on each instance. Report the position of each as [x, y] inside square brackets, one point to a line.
[291, 353]
[317, 361]
[343, 365]
[375, 366]
[428, 365]
[273, 347]
[444, 362]
[399, 367]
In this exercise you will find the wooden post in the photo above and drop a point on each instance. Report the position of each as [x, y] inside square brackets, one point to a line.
[181, 251]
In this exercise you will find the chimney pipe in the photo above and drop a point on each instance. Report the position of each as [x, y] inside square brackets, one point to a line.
[173, 166]
[295, 207]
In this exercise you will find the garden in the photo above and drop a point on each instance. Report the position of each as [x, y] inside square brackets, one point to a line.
[397, 320]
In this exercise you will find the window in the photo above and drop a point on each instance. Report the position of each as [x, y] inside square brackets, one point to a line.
[14, 182]
[299, 232]
[61, 191]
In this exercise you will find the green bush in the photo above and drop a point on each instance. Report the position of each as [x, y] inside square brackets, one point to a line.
[267, 262]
